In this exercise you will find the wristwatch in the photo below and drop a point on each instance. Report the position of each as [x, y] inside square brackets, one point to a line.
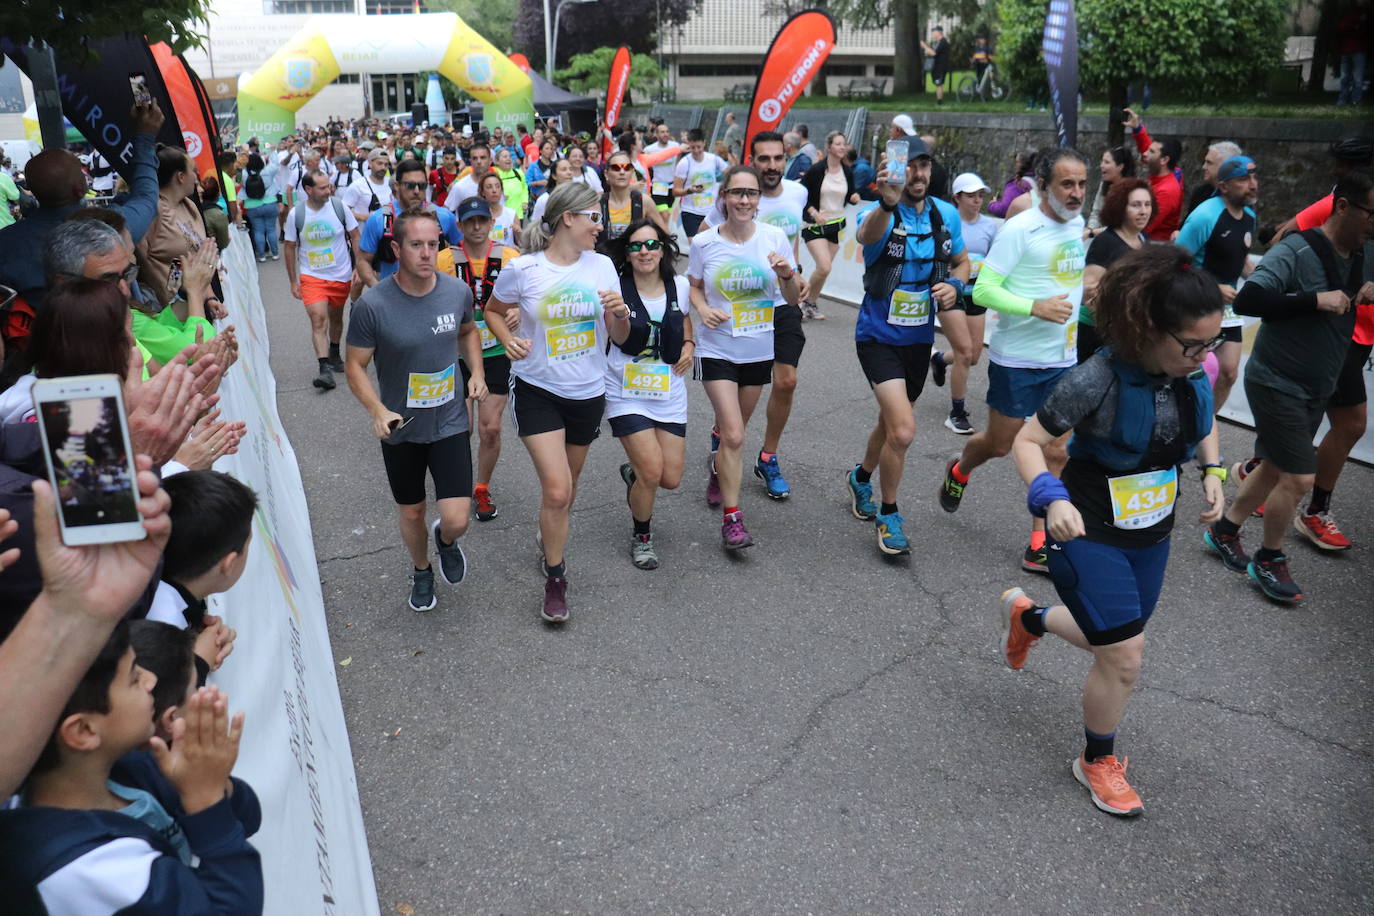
[1213, 470]
[891, 209]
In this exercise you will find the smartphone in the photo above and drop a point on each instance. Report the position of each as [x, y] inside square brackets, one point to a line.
[138, 82]
[398, 425]
[90, 459]
[1118, 116]
[896, 161]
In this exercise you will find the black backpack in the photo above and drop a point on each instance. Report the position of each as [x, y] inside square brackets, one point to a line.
[254, 186]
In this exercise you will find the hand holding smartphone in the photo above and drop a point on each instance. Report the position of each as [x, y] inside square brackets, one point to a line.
[138, 83]
[896, 161]
[90, 459]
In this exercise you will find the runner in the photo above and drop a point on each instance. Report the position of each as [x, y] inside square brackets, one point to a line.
[583, 172]
[661, 173]
[323, 232]
[477, 260]
[1136, 411]
[914, 256]
[1302, 291]
[623, 204]
[408, 192]
[1217, 153]
[1033, 276]
[963, 324]
[695, 180]
[829, 186]
[466, 186]
[567, 296]
[1218, 234]
[560, 172]
[1128, 209]
[646, 395]
[415, 322]
[781, 204]
[517, 196]
[374, 192]
[739, 272]
[505, 225]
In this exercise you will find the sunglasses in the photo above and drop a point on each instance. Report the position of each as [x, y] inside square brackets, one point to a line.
[1193, 349]
[646, 245]
[619, 167]
[593, 215]
[414, 185]
[745, 193]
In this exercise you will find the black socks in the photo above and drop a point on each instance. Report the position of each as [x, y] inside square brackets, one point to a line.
[1225, 526]
[642, 528]
[1321, 501]
[861, 475]
[887, 509]
[1265, 555]
[1097, 745]
[324, 363]
[556, 572]
[1033, 619]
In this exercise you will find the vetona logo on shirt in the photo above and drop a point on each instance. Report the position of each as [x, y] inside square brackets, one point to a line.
[444, 324]
[568, 302]
[784, 221]
[1067, 265]
[739, 280]
[318, 231]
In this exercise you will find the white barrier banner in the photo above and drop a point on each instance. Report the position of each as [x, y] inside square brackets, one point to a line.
[295, 751]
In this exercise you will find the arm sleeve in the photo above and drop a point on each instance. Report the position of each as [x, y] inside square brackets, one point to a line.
[141, 207]
[1266, 291]
[989, 292]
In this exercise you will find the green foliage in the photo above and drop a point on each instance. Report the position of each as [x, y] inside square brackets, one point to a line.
[494, 20]
[590, 72]
[1196, 48]
[177, 22]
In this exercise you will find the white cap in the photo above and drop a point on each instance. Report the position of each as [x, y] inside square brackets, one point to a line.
[968, 182]
[467, 130]
[903, 123]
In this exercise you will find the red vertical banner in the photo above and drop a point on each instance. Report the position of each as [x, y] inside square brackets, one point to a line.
[615, 95]
[198, 133]
[521, 61]
[797, 52]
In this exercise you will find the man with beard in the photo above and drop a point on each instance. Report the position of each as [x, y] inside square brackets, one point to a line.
[1033, 275]
[479, 155]
[1218, 234]
[914, 264]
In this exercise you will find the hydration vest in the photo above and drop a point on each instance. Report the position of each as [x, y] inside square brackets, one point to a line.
[636, 212]
[659, 339]
[885, 274]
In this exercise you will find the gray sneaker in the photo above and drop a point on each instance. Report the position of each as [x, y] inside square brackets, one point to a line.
[422, 590]
[453, 563]
[642, 551]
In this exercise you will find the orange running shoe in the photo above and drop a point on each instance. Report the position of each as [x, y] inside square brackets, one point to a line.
[486, 509]
[1017, 641]
[1105, 780]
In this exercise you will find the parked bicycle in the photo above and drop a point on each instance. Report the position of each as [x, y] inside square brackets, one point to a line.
[987, 88]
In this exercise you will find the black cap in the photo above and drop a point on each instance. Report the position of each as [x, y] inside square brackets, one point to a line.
[473, 206]
[916, 149]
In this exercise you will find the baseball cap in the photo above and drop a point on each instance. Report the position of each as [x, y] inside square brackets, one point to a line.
[473, 206]
[377, 154]
[968, 182]
[467, 130]
[916, 149]
[1235, 167]
[343, 159]
[903, 123]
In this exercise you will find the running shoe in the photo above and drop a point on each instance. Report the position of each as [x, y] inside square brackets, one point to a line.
[958, 423]
[1259, 511]
[1017, 641]
[555, 609]
[453, 563]
[422, 590]
[642, 551]
[715, 442]
[951, 491]
[1274, 579]
[627, 474]
[1242, 469]
[771, 475]
[937, 369]
[891, 538]
[733, 534]
[325, 380]
[1036, 560]
[811, 311]
[1229, 548]
[861, 496]
[336, 363]
[486, 509]
[712, 483]
[1320, 528]
[1105, 780]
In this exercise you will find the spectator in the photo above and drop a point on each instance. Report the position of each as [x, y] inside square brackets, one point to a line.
[259, 207]
[214, 219]
[228, 162]
[939, 175]
[1022, 181]
[537, 175]
[134, 840]
[807, 147]
[1116, 164]
[797, 161]
[1161, 159]
[178, 232]
[9, 197]
[734, 139]
[864, 176]
[1352, 43]
[937, 61]
[167, 652]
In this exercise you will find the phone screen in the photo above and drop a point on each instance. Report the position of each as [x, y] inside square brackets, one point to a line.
[139, 84]
[896, 161]
[91, 469]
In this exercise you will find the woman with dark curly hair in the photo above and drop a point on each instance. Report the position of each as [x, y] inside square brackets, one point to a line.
[1128, 209]
[1138, 409]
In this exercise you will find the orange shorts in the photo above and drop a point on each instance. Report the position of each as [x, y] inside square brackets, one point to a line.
[333, 292]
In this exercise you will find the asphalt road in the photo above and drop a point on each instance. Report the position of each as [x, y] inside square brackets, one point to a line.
[812, 728]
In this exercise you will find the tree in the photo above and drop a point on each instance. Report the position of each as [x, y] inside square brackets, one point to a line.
[174, 21]
[494, 20]
[591, 72]
[908, 20]
[584, 27]
[1191, 48]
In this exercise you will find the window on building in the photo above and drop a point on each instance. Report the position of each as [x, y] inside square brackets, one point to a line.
[391, 7]
[349, 79]
[882, 69]
[283, 7]
[393, 92]
[846, 70]
[743, 69]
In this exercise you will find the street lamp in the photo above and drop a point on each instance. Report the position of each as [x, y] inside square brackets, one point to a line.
[551, 35]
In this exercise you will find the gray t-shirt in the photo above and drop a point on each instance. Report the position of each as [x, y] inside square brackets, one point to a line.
[414, 340]
[1302, 355]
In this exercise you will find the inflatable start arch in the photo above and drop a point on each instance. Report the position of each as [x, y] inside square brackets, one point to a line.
[329, 45]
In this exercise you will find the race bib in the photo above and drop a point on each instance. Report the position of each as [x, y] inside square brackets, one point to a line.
[489, 340]
[321, 258]
[1071, 340]
[751, 318]
[430, 389]
[1142, 500]
[975, 264]
[909, 308]
[646, 381]
[659, 189]
[702, 201]
[570, 341]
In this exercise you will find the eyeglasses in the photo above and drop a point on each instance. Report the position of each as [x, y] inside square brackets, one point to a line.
[1193, 349]
[619, 167]
[414, 185]
[744, 193]
[646, 245]
[1368, 211]
[129, 273]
